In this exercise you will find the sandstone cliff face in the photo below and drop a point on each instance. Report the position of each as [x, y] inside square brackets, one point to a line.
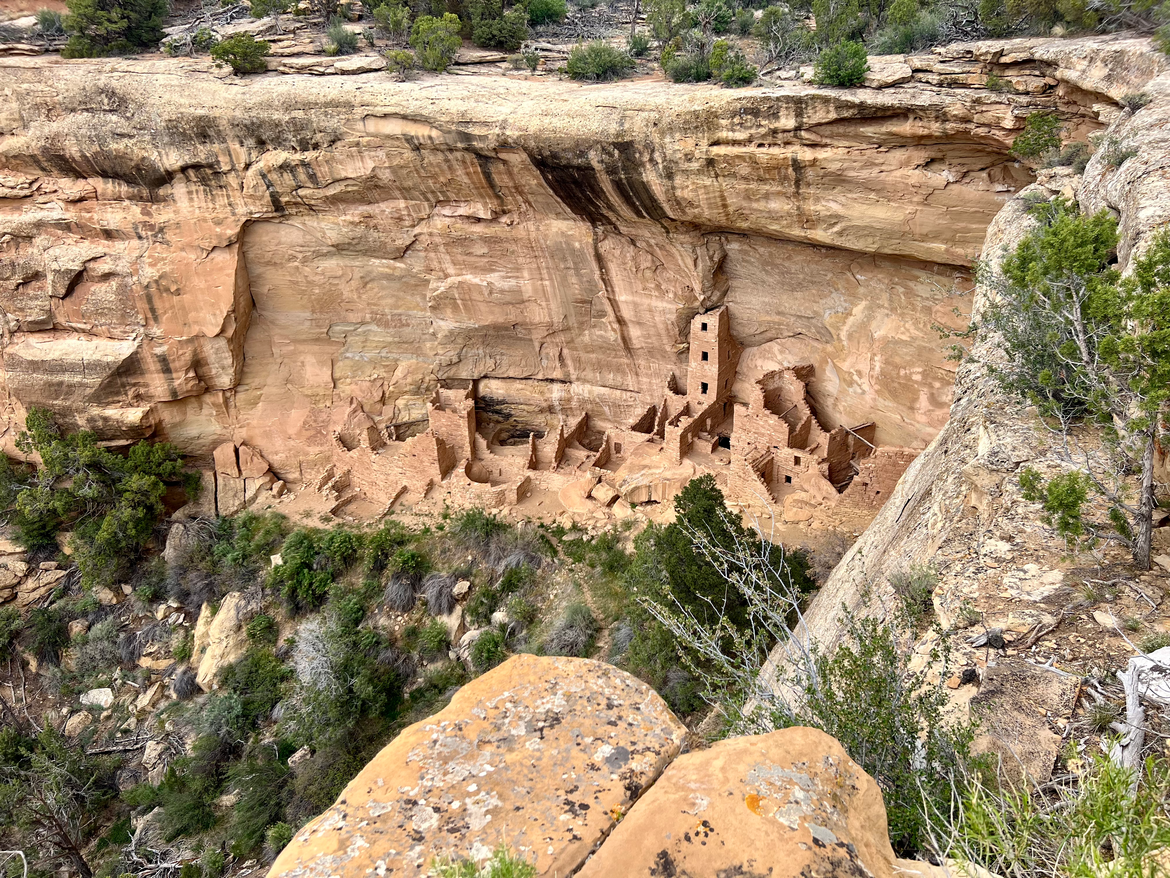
[957, 494]
[212, 259]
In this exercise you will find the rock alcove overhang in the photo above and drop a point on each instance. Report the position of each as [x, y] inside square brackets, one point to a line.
[255, 259]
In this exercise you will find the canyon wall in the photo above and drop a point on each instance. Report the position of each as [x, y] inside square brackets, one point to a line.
[204, 259]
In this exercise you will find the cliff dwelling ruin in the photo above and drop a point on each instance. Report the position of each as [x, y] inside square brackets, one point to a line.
[769, 453]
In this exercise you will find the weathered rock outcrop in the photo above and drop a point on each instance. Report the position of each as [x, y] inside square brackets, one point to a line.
[547, 755]
[543, 755]
[959, 508]
[221, 260]
[958, 499]
[789, 803]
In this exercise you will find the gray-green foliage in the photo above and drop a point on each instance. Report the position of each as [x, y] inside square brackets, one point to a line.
[597, 61]
[111, 502]
[340, 40]
[844, 65]
[50, 22]
[243, 53]
[785, 38]
[435, 41]
[886, 715]
[573, 633]
[393, 19]
[667, 19]
[97, 650]
[1041, 134]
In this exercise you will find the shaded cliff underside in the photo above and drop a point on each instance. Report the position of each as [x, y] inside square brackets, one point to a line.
[204, 259]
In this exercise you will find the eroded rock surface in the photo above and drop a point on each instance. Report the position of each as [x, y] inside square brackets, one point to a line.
[541, 754]
[789, 803]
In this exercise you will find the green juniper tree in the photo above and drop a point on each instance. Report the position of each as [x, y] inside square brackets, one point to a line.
[1086, 345]
[110, 501]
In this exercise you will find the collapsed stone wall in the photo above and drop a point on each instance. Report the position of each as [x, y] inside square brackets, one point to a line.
[212, 260]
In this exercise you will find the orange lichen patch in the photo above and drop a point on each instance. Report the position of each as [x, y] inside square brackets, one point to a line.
[754, 803]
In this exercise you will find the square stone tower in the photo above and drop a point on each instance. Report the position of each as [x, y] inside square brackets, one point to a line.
[714, 357]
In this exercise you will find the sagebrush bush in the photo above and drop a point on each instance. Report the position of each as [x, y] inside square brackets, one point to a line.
[97, 650]
[597, 62]
[340, 40]
[843, 65]
[393, 19]
[50, 22]
[243, 53]
[573, 633]
[1074, 155]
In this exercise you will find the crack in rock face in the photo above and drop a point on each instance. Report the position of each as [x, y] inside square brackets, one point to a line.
[469, 778]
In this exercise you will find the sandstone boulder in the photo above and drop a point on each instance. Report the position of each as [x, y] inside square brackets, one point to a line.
[103, 698]
[39, 586]
[252, 463]
[77, 724]
[541, 753]
[790, 803]
[226, 463]
[222, 637]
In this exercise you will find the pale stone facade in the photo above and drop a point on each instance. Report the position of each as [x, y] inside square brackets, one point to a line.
[768, 452]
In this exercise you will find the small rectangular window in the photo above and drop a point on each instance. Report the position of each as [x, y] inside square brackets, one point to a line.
[704, 356]
[788, 480]
[795, 461]
[703, 388]
[704, 327]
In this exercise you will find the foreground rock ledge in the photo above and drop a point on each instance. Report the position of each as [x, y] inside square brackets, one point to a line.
[540, 754]
[789, 803]
[546, 755]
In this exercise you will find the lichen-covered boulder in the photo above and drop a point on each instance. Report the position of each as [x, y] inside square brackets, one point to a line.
[541, 754]
[789, 803]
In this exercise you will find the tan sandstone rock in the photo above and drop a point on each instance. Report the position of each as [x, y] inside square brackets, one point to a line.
[786, 804]
[221, 639]
[540, 753]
